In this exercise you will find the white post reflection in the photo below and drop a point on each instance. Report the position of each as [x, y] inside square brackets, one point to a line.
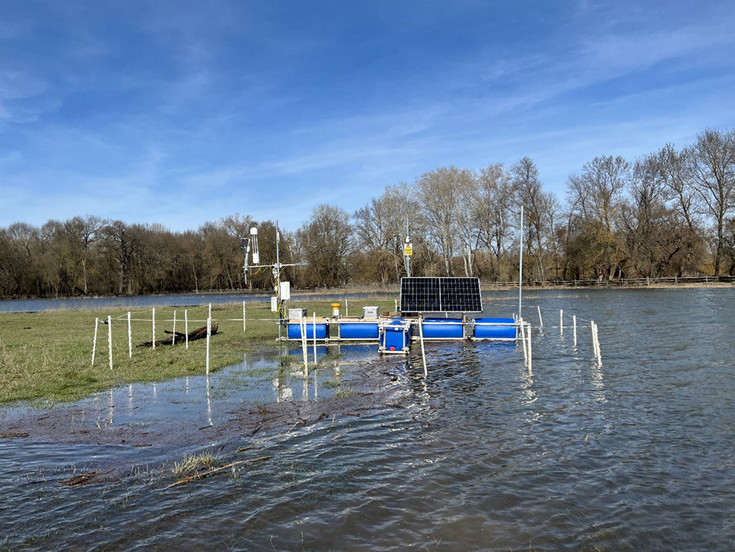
[598, 384]
[209, 403]
[112, 408]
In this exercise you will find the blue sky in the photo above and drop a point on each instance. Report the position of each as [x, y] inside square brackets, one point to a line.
[179, 113]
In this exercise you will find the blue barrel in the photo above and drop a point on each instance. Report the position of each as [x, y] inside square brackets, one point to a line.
[395, 336]
[495, 328]
[294, 331]
[443, 328]
[358, 330]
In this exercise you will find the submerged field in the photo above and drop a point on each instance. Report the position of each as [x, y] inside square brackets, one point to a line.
[365, 453]
[47, 356]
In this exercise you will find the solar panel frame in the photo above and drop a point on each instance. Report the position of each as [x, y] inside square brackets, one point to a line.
[438, 294]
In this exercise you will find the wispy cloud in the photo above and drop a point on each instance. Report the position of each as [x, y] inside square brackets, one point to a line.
[264, 108]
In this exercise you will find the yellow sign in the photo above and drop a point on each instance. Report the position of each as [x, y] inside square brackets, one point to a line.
[407, 251]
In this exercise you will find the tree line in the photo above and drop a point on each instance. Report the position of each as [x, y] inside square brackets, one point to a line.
[668, 213]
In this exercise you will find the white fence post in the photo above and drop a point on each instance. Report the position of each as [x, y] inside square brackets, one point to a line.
[130, 338]
[304, 346]
[153, 326]
[173, 333]
[209, 334]
[94, 340]
[561, 322]
[109, 338]
[314, 336]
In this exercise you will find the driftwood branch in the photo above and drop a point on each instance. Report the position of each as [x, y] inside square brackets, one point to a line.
[202, 475]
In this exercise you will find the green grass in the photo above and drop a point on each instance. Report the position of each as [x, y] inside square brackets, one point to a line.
[46, 357]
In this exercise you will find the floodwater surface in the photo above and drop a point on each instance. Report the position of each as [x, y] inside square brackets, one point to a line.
[367, 454]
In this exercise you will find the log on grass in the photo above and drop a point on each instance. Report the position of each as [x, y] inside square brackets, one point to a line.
[199, 333]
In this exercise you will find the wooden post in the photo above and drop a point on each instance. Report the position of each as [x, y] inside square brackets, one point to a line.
[94, 340]
[109, 338]
[130, 338]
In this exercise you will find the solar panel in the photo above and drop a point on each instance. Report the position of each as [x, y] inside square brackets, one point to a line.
[440, 295]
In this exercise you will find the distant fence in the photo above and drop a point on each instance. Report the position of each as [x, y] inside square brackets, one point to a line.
[617, 283]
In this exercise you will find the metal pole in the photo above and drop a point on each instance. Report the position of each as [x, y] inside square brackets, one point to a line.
[520, 272]
[277, 278]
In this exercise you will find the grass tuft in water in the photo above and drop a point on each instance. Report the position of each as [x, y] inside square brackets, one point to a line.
[193, 463]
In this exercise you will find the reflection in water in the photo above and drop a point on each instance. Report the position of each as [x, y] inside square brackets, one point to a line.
[598, 383]
[209, 401]
[112, 407]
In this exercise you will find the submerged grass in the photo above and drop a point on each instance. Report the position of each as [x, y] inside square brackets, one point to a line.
[46, 357]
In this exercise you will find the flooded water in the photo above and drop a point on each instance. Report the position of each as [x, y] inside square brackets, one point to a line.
[637, 454]
[147, 301]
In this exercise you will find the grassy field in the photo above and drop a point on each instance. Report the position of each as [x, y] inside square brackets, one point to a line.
[47, 357]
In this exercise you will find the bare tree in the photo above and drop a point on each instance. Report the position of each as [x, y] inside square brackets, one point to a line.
[492, 204]
[712, 170]
[380, 229]
[325, 242]
[655, 236]
[438, 193]
[595, 199]
[540, 210]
